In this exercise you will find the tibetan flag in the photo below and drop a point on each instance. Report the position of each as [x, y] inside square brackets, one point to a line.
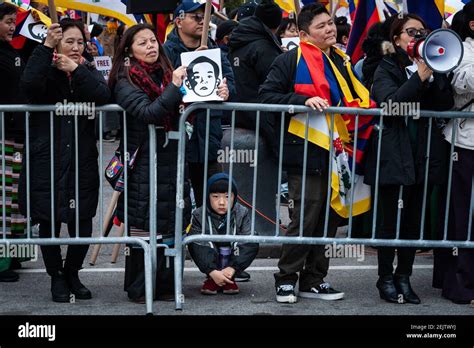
[453, 6]
[368, 13]
[432, 11]
[18, 40]
[317, 75]
[352, 8]
[110, 8]
[163, 26]
[286, 5]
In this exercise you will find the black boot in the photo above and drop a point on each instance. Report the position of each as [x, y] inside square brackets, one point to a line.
[77, 288]
[9, 276]
[59, 287]
[402, 283]
[387, 289]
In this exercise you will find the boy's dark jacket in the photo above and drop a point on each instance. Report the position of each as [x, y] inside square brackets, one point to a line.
[206, 254]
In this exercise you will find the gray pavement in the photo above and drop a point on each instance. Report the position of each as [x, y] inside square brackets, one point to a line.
[31, 295]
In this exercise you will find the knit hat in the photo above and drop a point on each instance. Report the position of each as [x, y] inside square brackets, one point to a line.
[225, 28]
[246, 10]
[219, 183]
[269, 13]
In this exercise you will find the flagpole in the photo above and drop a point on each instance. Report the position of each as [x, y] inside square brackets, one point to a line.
[220, 15]
[54, 19]
[297, 6]
[205, 29]
[52, 11]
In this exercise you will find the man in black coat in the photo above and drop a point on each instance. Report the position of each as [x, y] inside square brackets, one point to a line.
[316, 26]
[186, 37]
[253, 48]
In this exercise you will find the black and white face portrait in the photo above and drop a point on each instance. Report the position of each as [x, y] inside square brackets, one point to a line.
[203, 76]
[38, 30]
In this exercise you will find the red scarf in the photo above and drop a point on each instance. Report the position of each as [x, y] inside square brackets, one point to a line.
[140, 74]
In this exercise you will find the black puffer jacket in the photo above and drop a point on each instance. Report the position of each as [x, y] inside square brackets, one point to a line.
[404, 145]
[279, 89]
[141, 112]
[253, 48]
[44, 84]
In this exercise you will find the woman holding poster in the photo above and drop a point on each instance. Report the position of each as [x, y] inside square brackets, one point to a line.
[145, 85]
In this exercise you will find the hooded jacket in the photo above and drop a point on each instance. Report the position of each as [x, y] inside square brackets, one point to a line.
[206, 254]
[195, 152]
[252, 50]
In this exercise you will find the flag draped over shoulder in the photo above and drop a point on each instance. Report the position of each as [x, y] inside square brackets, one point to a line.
[317, 75]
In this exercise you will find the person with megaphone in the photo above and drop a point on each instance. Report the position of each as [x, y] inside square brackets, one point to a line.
[402, 81]
[453, 271]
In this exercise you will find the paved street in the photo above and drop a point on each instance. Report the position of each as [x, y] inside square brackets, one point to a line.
[31, 295]
[357, 279]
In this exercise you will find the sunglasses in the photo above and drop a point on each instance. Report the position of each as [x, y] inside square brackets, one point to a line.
[413, 32]
[198, 17]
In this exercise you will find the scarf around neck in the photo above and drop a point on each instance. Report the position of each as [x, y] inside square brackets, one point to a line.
[140, 74]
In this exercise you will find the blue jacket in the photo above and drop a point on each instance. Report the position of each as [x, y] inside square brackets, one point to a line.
[196, 149]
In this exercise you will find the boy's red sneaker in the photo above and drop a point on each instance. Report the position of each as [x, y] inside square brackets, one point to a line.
[230, 289]
[210, 287]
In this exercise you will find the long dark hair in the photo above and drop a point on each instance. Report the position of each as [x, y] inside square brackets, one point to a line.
[124, 51]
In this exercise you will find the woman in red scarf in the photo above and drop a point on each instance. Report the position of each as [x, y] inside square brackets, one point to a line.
[145, 85]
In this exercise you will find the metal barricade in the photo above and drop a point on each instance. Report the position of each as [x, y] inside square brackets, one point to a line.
[150, 253]
[278, 238]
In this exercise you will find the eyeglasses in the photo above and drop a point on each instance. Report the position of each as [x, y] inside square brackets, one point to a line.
[413, 32]
[198, 17]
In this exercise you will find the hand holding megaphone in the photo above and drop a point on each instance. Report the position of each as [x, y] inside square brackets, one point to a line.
[423, 70]
[441, 51]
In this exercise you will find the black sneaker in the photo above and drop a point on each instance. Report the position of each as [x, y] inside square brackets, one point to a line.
[286, 294]
[242, 277]
[323, 291]
[9, 276]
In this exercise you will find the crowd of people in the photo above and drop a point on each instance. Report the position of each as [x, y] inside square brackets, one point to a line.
[146, 81]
